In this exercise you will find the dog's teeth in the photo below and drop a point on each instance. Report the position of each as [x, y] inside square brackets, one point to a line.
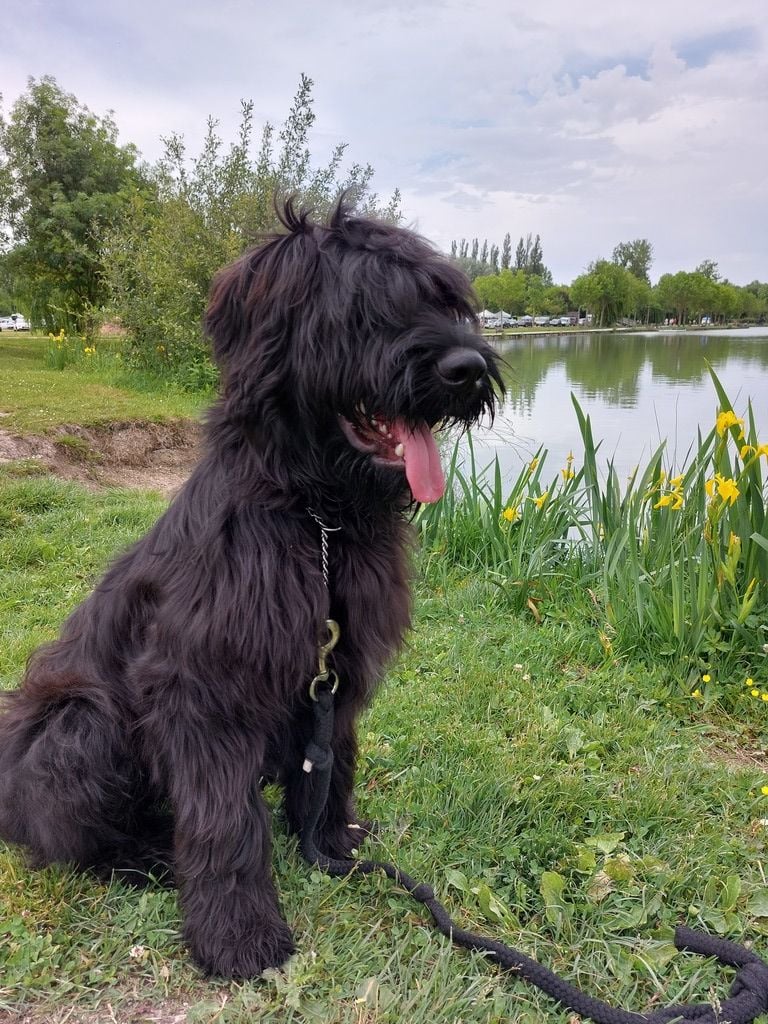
[399, 450]
[382, 428]
[361, 407]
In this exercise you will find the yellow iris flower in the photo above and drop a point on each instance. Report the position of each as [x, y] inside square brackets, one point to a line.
[726, 420]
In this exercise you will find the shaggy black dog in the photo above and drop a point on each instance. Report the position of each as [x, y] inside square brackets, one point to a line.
[141, 734]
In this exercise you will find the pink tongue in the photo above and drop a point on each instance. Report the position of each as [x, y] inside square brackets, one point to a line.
[422, 462]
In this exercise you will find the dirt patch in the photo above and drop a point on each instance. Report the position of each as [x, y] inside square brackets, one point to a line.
[151, 456]
[131, 1012]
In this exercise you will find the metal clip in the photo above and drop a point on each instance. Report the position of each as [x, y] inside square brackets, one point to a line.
[325, 649]
[323, 672]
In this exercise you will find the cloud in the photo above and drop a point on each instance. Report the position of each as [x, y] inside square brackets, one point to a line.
[589, 124]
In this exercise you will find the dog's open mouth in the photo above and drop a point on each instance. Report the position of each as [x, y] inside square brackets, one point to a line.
[398, 445]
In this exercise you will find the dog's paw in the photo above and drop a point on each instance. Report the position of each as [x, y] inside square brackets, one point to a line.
[246, 957]
[341, 840]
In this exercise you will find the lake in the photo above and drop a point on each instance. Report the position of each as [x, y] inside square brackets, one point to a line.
[638, 389]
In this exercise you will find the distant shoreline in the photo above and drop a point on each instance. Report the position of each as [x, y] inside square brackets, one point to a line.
[533, 332]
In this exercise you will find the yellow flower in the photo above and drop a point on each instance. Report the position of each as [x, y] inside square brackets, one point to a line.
[568, 473]
[727, 489]
[510, 513]
[569, 458]
[673, 500]
[706, 677]
[709, 487]
[755, 693]
[747, 449]
[764, 790]
[762, 449]
[676, 483]
[726, 420]
[764, 696]
[750, 681]
[533, 464]
[696, 694]
[539, 502]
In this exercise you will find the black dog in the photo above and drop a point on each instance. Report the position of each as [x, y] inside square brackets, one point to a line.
[141, 734]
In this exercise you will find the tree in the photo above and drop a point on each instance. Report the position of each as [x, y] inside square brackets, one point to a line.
[681, 295]
[555, 300]
[709, 269]
[206, 212]
[636, 257]
[522, 253]
[505, 290]
[535, 294]
[605, 290]
[64, 184]
[536, 258]
[506, 252]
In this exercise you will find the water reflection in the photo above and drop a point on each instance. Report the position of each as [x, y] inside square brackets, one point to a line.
[638, 389]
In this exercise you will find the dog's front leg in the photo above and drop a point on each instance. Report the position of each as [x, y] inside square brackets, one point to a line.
[222, 848]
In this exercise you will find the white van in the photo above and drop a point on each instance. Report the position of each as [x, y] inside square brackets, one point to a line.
[14, 322]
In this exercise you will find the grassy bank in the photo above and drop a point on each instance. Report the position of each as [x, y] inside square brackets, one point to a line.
[562, 798]
[547, 751]
[36, 395]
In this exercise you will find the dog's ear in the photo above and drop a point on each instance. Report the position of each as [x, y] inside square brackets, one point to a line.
[254, 321]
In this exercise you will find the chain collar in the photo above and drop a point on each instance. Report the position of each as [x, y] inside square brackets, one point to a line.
[324, 531]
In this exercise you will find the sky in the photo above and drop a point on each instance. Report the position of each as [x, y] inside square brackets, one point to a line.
[589, 122]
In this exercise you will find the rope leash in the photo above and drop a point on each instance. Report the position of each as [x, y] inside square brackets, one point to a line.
[748, 997]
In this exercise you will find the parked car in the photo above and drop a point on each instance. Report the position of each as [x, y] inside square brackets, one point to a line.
[14, 322]
[540, 321]
[566, 321]
[525, 321]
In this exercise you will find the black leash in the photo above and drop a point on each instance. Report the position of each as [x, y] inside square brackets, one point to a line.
[748, 997]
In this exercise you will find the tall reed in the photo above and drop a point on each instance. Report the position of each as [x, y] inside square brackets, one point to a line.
[676, 565]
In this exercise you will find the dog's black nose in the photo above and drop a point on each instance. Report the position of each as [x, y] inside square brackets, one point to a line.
[460, 368]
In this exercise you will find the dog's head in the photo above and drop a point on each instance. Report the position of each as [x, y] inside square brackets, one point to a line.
[343, 346]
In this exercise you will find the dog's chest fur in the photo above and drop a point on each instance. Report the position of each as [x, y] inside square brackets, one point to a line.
[369, 588]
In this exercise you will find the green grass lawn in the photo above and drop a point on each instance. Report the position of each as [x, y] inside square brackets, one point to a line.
[35, 397]
[570, 803]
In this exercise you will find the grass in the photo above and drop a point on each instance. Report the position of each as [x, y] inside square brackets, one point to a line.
[569, 802]
[36, 396]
